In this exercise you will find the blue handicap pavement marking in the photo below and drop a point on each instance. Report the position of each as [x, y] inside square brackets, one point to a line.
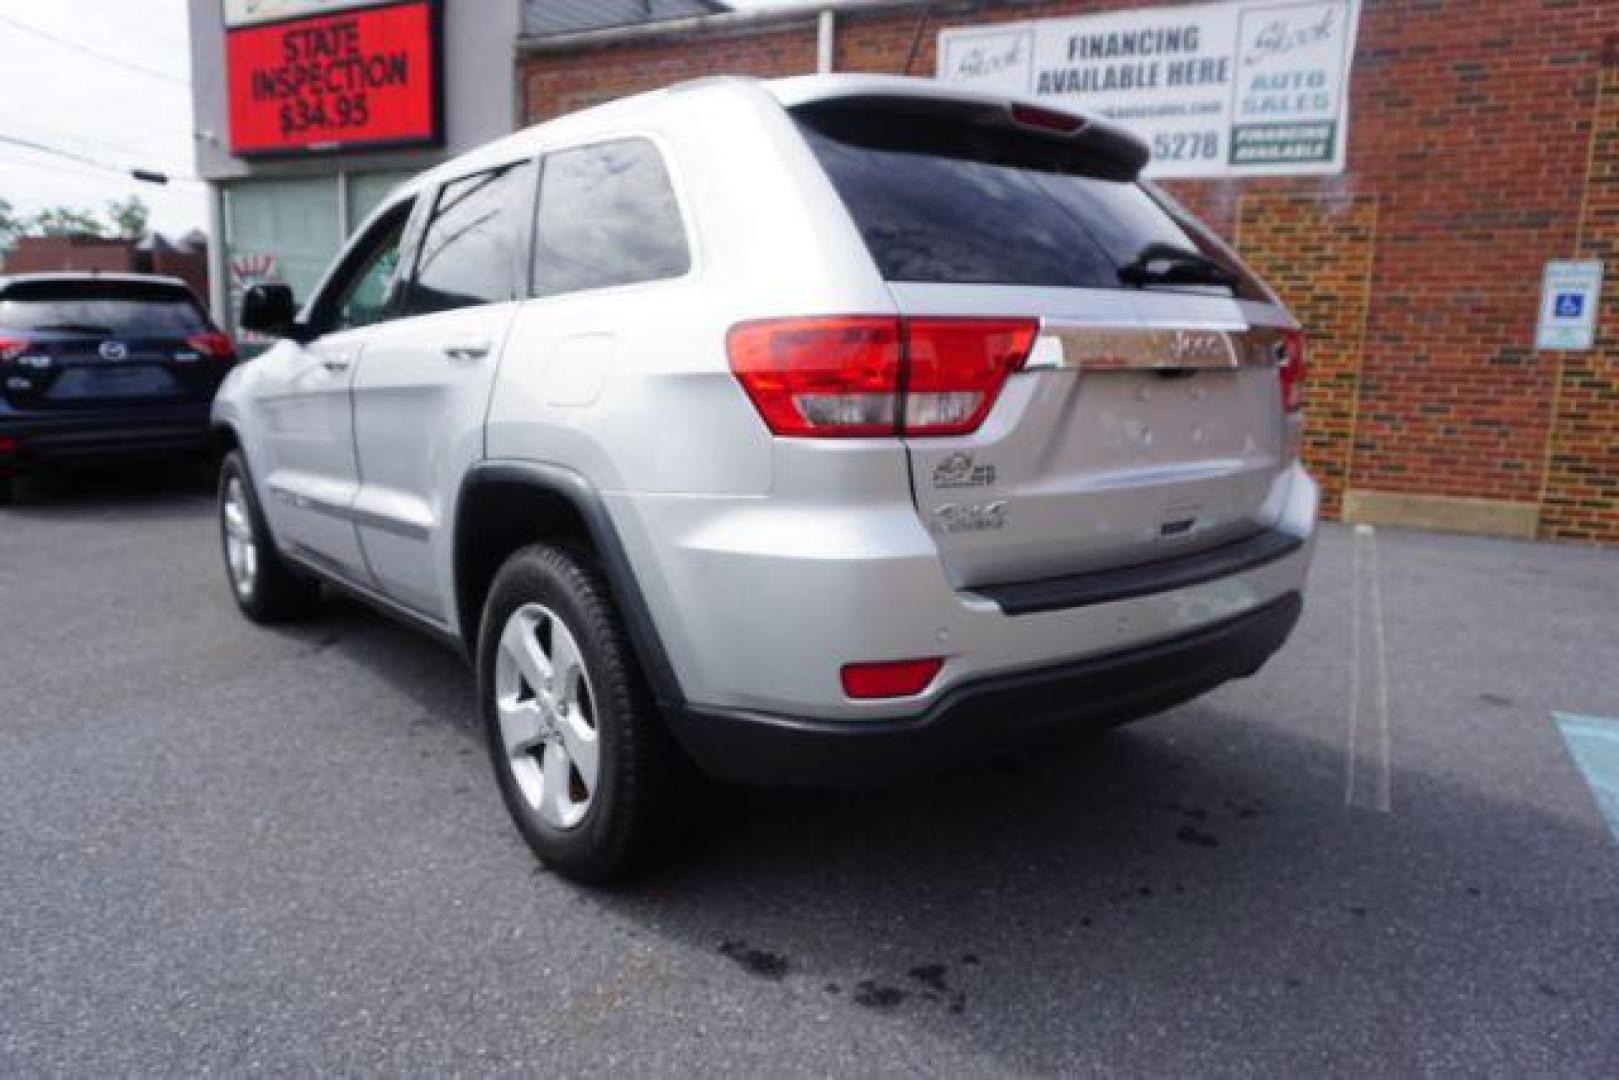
[1594, 742]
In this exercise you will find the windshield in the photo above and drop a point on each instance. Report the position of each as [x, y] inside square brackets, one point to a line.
[940, 200]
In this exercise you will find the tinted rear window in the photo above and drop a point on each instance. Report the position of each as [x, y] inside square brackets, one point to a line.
[940, 200]
[111, 308]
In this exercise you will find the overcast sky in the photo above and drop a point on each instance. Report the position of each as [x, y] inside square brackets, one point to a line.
[99, 79]
[104, 80]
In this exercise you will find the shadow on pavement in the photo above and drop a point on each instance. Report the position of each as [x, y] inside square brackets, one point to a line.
[1187, 891]
[1191, 877]
[1198, 871]
[165, 488]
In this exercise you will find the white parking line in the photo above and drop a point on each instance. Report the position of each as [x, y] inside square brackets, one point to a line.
[1370, 730]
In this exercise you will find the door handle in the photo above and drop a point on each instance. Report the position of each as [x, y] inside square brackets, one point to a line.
[467, 350]
[335, 362]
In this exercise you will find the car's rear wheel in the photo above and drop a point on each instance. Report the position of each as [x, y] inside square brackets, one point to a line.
[8, 492]
[591, 776]
[264, 586]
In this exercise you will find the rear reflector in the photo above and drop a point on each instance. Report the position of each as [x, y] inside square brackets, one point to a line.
[896, 678]
[853, 376]
[8, 445]
[11, 348]
[1290, 365]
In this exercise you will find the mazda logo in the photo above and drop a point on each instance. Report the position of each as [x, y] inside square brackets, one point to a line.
[114, 350]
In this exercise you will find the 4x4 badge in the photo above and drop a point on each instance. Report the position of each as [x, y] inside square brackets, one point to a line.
[958, 470]
[986, 517]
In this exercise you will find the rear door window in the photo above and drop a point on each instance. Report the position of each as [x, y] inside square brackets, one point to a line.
[474, 250]
[109, 309]
[608, 216]
[938, 199]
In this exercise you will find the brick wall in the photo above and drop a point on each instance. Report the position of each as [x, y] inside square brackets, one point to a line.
[1483, 141]
[1318, 255]
[553, 84]
[45, 254]
[1581, 482]
[41, 254]
[189, 266]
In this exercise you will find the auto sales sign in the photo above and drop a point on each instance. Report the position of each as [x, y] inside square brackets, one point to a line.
[311, 75]
[1231, 89]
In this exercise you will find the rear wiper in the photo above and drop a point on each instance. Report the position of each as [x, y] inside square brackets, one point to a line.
[76, 328]
[1166, 264]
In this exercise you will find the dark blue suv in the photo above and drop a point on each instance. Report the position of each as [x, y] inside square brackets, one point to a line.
[99, 366]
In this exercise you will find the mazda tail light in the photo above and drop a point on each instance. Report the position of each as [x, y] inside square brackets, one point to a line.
[213, 344]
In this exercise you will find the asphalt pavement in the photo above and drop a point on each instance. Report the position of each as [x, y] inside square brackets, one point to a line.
[236, 850]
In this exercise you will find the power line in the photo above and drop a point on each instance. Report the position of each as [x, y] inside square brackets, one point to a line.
[63, 152]
[118, 61]
[32, 130]
[83, 160]
[38, 147]
[67, 168]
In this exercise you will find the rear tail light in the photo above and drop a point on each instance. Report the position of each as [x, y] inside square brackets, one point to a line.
[213, 344]
[894, 678]
[1290, 365]
[820, 377]
[955, 369]
[852, 376]
[9, 445]
[12, 347]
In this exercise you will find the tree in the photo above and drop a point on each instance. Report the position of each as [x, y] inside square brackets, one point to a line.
[11, 226]
[129, 218]
[66, 221]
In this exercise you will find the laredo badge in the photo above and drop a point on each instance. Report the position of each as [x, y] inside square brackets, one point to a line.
[960, 471]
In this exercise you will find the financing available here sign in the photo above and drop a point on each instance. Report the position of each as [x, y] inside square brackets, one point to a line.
[1241, 88]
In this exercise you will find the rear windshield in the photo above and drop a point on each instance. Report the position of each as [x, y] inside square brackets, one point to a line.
[110, 308]
[940, 200]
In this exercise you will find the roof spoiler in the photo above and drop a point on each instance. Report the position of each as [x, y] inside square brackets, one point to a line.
[1105, 145]
[1104, 149]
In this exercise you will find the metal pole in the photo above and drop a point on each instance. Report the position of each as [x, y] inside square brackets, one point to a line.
[344, 225]
[219, 260]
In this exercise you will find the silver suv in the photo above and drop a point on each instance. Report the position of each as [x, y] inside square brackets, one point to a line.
[800, 432]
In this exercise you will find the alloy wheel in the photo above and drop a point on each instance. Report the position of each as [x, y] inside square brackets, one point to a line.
[547, 716]
[241, 550]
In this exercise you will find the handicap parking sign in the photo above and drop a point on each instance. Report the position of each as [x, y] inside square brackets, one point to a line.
[1569, 296]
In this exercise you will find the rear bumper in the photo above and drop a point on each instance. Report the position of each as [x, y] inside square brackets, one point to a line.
[81, 435]
[1097, 692]
[758, 603]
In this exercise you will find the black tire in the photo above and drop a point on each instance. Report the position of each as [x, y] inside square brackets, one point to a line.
[645, 785]
[274, 592]
[8, 491]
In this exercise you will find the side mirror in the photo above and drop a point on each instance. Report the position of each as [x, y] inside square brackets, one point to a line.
[269, 309]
